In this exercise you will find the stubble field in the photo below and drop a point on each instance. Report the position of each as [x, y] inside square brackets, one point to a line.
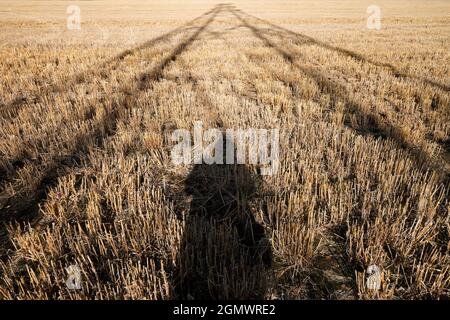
[86, 176]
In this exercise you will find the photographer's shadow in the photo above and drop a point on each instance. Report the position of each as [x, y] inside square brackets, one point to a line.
[224, 253]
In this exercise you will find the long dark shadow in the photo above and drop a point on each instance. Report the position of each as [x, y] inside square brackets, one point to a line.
[156, 72]
[304, 39]
[337, 91]
[10, 110]
[144, 78]
[224, 253]
[23, 207]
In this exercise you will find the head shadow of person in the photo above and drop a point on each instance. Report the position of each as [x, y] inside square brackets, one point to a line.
[224, 253]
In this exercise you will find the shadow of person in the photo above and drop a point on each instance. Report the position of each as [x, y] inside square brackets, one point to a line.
[224, 253]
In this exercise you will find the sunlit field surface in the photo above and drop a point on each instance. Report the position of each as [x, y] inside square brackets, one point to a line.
[86, 176]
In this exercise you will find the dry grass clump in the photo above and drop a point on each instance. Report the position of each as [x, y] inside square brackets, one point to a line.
[86, 176]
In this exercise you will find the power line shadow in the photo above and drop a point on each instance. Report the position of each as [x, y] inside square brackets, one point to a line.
[369, 124]
[23, 206]
[300, 38]
[9, 111]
